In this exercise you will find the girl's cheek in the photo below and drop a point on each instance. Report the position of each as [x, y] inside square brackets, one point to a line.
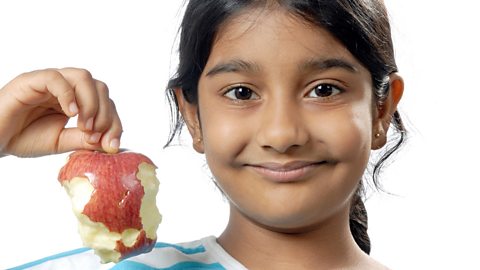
[357, 130]
[345, 133]
[225, 134]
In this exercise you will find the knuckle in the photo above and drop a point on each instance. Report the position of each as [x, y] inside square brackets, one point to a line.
[84, 74]
[102, 88]
[50, 74]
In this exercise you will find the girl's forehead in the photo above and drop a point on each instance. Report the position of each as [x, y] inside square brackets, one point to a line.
[254, 29]
[253, 18]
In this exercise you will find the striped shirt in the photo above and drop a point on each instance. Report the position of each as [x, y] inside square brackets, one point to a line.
[203, 254]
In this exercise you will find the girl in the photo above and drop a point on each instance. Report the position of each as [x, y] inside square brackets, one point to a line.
[286, 99]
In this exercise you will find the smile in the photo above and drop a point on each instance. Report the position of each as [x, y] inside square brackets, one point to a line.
[284, 173]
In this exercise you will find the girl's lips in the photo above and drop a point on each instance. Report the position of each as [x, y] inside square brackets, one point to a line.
[284, 173]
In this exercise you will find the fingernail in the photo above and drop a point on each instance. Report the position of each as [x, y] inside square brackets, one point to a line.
[115, 143]
[89, 124]
[95, 137]
[73, 108]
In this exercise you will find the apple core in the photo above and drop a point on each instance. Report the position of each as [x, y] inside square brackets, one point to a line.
[113, 197]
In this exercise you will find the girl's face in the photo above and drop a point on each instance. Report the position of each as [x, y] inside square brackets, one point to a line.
[285, 118]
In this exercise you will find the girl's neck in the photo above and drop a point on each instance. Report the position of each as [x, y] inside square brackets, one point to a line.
[329, 245]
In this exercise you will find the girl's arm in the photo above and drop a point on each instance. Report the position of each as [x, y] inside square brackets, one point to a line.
[36, 106]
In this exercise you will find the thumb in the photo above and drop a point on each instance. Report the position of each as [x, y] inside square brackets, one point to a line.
[74, 139]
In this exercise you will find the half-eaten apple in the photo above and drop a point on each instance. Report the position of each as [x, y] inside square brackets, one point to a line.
[113, 197]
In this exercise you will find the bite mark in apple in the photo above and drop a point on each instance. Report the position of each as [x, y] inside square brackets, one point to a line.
[114, 199]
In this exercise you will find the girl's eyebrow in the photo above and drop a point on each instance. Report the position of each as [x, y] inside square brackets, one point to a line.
[235, 65]
[323, 64]
[238, 65]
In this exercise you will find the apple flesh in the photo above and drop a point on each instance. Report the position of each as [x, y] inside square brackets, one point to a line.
[113, 197]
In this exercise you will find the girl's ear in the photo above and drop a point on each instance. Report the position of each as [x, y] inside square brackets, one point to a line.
[189, 113]
[385, 111]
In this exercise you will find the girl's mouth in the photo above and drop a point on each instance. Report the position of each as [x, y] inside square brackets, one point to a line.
[286, 172]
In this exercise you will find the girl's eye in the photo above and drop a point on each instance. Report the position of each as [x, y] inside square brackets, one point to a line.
[324, 90]
[241, 93]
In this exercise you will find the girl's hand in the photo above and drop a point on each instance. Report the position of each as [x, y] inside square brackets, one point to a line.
[36, 106]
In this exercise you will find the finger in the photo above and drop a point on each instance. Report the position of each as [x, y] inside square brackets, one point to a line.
[86, 95]
[71, 139]
[105, 113]
[104, 116]
[111, 139]
[38, 86]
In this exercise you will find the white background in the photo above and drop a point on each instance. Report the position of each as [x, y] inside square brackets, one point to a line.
[431, 221]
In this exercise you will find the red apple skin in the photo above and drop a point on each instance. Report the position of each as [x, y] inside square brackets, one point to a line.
[117, 195]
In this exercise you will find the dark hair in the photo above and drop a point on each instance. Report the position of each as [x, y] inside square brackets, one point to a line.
[362, 26]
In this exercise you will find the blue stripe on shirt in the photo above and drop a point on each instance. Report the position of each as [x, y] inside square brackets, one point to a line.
[159, 245]
[50, 258]
[184, 250]
[129, 265]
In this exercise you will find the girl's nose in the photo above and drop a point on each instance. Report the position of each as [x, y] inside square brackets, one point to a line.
[281, 127]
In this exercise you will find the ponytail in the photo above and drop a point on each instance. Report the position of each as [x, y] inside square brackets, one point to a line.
[359, 223]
